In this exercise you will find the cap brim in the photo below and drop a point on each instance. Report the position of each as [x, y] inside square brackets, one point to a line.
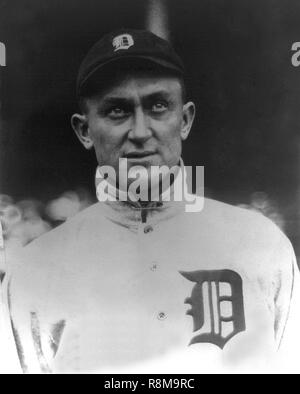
[155, 61]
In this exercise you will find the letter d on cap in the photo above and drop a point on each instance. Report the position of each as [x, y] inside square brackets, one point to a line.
[2, 54]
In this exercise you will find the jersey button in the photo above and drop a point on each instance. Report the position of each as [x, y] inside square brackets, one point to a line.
[148, 229]
[161, 316]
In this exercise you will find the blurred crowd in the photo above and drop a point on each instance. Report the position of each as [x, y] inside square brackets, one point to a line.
[23, 221]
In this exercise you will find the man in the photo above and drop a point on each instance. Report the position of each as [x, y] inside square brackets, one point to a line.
[136, 283]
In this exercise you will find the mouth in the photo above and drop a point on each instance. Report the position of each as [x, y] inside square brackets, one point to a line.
[138, 154]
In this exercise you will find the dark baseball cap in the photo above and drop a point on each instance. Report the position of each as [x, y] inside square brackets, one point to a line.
[127, 44]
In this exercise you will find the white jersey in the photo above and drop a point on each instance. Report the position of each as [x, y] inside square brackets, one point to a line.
[9, 362]
[175, 292]
[2, 251]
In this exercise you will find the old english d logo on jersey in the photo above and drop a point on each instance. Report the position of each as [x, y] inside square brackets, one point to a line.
[212, 291]
[123, 41]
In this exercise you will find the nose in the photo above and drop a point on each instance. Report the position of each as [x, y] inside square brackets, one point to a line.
[140, 130]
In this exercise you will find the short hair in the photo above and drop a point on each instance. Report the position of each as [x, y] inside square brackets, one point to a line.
[112, 73]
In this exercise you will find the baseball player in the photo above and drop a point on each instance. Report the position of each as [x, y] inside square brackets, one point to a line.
[135, 285]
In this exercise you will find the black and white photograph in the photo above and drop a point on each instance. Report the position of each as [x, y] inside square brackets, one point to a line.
[149, 189]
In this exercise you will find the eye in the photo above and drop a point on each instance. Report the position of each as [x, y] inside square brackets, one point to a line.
[159, 107]
[117, 112]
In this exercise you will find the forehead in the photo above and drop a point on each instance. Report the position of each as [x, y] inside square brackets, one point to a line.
[140, 84]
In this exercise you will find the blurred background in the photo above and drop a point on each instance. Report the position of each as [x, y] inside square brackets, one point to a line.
[247, 94]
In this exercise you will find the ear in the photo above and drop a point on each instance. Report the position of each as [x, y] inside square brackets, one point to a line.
[188, 116]
[80, 126]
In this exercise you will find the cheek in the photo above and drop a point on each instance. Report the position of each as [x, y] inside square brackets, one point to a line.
[169, 142]
[98, 131]
[170, 127]
[169, 134]
[107, 142]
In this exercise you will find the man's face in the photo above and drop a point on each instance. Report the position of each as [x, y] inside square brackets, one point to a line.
[141, 118]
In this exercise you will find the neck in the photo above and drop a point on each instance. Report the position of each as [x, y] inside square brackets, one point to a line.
[141, 195]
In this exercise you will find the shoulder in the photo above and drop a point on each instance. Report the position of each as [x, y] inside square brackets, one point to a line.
[257, 233]
[57, 239]
[248, 223]
[244, 232]
[44, 257]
